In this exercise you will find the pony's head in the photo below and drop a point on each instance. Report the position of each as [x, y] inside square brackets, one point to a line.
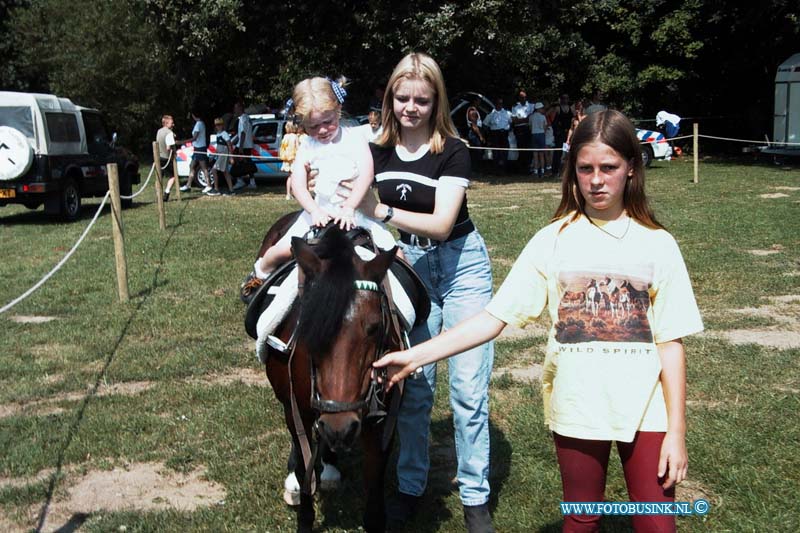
[343, 327]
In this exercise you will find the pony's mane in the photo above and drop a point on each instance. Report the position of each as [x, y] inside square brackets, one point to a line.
[328, 294]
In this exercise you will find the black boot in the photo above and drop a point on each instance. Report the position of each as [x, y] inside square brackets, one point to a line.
[402, 508]
[478, 519]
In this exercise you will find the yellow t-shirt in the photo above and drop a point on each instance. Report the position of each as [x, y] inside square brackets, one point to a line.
[611, 300]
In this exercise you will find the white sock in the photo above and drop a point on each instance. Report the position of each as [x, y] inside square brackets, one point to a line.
[260, 274]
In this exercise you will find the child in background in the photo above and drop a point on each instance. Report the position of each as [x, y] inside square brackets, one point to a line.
[337, 154]
[224, 147]
[620, 300]
[288, 151]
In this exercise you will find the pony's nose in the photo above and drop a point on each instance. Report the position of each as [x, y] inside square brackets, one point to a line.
[339, 431]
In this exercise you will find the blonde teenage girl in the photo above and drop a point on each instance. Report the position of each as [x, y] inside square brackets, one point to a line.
[616, 376]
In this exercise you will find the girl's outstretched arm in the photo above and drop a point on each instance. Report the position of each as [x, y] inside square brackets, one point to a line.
[673, 462]
[470, 333]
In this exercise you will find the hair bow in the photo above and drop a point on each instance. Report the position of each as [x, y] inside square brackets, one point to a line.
[338, 90]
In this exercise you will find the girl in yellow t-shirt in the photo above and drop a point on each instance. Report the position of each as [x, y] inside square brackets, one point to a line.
[615, 285]
[292, 137]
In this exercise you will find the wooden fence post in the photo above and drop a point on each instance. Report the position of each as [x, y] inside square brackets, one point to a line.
[696, 152]
[162, 221]
[177, 182]
[117, 231]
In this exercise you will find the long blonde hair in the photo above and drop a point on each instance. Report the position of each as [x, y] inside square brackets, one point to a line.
[615, 130]
[316, 94]
[418, 66]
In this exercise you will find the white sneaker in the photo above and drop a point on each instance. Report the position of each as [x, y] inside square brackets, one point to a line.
[185, 188]
[213, 192]
[207, 189]
[291, 490]
[252, 184]
[239, 184]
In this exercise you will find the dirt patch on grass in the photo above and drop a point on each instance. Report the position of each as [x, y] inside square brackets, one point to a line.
[251, 377]
[138, 486]
[691, 491]
[46, 406]
[774, 249]
[784, 309]
[772, 195]
[782, 340]
[31, 319]
[528, 374]
[786, 188]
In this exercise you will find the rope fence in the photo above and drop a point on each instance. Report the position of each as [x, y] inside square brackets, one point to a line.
[61, 263]
[154, 170]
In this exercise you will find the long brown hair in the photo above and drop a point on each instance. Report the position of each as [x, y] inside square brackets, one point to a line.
[613, 129]
[418, 66]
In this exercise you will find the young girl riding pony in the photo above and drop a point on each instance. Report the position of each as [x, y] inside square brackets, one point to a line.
[614, 373]
[337, 154]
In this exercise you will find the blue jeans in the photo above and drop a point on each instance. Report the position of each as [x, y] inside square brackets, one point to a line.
[458, 276]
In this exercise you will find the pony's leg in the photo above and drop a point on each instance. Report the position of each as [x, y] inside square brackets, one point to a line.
[291, 485]
[375, 460]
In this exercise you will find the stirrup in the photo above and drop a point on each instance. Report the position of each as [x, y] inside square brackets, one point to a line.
[276, 344]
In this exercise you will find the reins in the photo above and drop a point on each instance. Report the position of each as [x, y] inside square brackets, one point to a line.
[374, 401]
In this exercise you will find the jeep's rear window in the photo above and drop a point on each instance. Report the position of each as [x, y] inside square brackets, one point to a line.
[63, 128]
[19, 118]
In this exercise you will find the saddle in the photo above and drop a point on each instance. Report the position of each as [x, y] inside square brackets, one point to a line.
[412, 298]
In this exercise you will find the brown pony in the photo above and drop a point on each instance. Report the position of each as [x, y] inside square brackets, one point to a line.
[339, 325]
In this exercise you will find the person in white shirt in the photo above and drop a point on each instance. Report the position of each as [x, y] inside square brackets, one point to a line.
[200, 147]
[499, 123]
[373, 128]
[521, 113]
[165, 139]
[670, 121]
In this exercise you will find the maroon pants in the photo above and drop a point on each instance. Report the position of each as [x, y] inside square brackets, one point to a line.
[584, 464]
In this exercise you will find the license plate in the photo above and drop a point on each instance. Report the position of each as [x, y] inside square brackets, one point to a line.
[7, 193]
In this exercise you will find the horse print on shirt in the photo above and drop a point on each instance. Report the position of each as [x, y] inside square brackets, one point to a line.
[604, 306]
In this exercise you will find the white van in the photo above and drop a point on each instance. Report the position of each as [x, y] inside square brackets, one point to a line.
[54, 152]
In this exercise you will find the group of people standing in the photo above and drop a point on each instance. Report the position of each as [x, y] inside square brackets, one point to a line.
[541, 131]
[234, 137]
[622, 382]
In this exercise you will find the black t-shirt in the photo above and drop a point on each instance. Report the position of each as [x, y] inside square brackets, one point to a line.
[411, 185]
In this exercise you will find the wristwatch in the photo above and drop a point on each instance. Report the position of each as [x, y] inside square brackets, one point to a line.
[389, 215]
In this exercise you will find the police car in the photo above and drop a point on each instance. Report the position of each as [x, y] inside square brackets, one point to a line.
[267, 135]
[268, 131]
[655, 146]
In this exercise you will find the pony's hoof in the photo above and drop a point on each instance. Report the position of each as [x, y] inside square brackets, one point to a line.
[291, 490]
[331, 477]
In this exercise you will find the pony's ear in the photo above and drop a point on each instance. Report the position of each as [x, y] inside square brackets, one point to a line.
[306, 258]
[377, 267]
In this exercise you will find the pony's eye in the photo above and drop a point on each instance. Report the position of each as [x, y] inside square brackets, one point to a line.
[373, 330]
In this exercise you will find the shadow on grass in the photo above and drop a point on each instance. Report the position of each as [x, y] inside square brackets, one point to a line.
[72, 432]
[343, 509]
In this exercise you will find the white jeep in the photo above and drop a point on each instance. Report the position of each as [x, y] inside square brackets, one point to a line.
[54, 152]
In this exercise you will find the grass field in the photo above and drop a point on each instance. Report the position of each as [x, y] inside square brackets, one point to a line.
[163, 395]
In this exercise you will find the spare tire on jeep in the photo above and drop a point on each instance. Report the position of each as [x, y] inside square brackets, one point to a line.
[16, 155]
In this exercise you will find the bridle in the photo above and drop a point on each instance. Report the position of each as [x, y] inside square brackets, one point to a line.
[373, 400]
